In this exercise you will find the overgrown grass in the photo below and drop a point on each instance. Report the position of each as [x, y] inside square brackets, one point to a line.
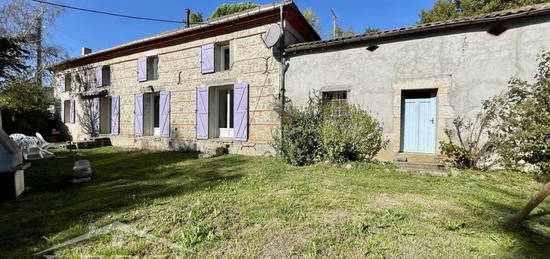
[236, 206]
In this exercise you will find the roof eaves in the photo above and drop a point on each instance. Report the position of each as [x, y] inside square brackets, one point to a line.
[487, 18]
[217, 21]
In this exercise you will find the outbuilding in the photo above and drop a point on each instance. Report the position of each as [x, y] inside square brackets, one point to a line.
[417, 80]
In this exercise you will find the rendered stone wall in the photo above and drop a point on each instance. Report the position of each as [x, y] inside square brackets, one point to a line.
[466, 66]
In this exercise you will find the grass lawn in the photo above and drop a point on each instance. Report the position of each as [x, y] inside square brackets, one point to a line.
[237, 206]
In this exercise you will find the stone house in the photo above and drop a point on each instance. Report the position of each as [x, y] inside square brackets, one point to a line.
[216, 84]
[416, 80]
[210, 85]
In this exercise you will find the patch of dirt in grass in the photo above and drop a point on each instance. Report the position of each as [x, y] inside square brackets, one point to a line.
[333, 217]
[270, 240]
[393, 201]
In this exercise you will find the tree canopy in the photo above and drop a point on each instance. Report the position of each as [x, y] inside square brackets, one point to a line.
[196, 18]
[443, 10]
[340, 32]
[13, 58]
[29, 21]
[227, 9]
[313, 19]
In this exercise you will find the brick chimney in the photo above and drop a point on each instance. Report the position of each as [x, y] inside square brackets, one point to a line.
[85, 51]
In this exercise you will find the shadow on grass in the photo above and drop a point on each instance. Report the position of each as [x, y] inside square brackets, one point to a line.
[530, 241]
[122, 180]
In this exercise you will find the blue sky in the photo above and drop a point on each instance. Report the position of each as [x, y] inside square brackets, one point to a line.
[75, 29]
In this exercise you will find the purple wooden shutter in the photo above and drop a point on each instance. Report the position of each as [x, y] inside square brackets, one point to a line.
[115, 114]
[207, 58]
[240, 111]
[99, 76]
[202, 112]
[95, 115]
[138, 115]
[142, 69]
[62, 83]
[62, 111]
[164, 113]
[72, 112]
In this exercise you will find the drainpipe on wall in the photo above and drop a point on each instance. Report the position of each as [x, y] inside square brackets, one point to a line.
[283, 68]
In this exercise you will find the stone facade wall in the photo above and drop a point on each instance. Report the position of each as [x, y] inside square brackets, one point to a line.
[465, 66]
[179, 72]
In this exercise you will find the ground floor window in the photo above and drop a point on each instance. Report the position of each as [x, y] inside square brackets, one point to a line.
[105, 111]
[221, 117]
[67, 111]
[222, 112]
[334, 96]
[151, 114]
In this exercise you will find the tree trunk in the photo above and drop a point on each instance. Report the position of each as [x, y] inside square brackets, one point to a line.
[541, 195]
[38, 43]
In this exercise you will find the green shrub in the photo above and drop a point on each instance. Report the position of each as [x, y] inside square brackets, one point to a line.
[349, 133]
[336, 132]
[300, 144]
[456, 155]
[523, 132]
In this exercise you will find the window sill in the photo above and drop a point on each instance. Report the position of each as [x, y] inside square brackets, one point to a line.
[224, 140]
[151, 137]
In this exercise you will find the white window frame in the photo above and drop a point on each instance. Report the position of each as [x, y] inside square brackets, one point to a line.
[151, 120]
[227, 132]
[222, 57]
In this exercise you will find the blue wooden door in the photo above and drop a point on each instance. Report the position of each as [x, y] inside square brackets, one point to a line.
[419, 130]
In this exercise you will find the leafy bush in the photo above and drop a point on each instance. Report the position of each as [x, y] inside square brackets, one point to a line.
[336, 132]
[523, 132]
[349, 133]
[474, 148]
[513, 128]
[300, 143]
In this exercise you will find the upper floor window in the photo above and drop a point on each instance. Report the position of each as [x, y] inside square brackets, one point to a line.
[224, 57]
[103, 75]
[148, 68]
[68, 82]
[216, 57]
[106, 75]
[152, 68]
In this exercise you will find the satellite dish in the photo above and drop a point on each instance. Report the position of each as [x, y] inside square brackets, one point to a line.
[272, 35]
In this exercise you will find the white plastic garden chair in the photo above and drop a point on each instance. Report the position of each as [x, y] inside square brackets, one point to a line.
[44, 145]
[31, 146]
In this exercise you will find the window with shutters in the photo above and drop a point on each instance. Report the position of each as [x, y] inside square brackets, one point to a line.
[67, 111]
[151, 114]
[152, 68]
[105, 115]
[221, 117]
[335, 96]
[68, 82]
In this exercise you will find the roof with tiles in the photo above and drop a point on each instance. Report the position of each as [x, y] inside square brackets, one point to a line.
[527, 11]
